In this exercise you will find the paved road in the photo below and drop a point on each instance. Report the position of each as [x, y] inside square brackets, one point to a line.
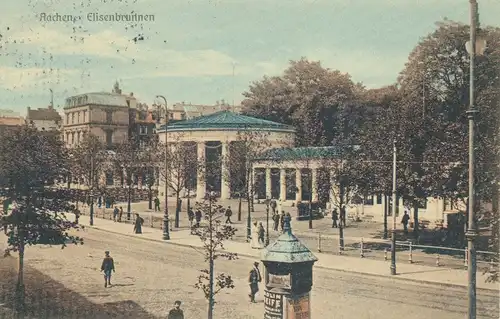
[154, 274]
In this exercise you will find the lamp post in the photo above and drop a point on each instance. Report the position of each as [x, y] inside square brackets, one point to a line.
[474, 47]
[91, 213]
[394, 202]
[267, 221]
[166, 234]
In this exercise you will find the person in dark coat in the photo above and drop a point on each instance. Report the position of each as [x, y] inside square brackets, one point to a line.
[404, 221]
[176, 312]
[276, 220]
[77, 215]
[253, 279]
[120, 214]
[229, 213]
[107, 266]
[157, 204]
[335, 218]
[116, 211]
[138, 224]
[198, 218]
[282, 219]
[273, 205]
[262, 232]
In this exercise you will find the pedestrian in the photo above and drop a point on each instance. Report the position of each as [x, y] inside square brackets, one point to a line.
[253, 279]
[157, 204]
[176, 312]
[99, 202]
[116, 211]
[335, 218]
[276, 220]
[190, 217]
[282, 219]
[139, 221]
[198, 218]
[273, 205]
[120, 214]
[77, 215]
[229, 213]
[262, 232]
[404, 221]
[108, 266]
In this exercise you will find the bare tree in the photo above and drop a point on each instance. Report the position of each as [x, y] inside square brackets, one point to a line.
[213, 235]
[182, 169]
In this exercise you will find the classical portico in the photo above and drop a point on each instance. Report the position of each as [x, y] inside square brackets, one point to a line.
[213, 136]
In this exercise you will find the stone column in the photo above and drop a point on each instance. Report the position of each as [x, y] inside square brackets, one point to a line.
[314, 185]
[225, 187]
[298, 184]
[201, 182]
[283, 184]
[268, 183]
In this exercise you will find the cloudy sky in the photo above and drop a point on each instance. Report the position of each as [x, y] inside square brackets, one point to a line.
[191, 48]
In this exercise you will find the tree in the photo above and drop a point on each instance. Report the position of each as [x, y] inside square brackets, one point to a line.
[182, 169]
[128, 162]
[90, 160]
[307, 96]
[247, 146]
[30, 162]
[213, 236]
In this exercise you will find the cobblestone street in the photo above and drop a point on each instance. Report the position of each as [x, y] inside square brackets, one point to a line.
[154, 275]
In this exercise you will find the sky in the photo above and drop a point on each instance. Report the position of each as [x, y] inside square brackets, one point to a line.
[201, 51]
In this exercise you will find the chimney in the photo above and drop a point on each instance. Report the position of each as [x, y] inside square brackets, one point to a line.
[131, 93]
[51, 107]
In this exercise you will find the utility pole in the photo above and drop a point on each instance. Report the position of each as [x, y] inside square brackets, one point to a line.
[394, 203]
[91, 191]
[234, 66]
[166, 234]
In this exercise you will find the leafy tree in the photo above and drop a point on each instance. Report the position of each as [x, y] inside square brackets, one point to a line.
[30, 161]
[307, 96]
[90, 160]
[213, 236]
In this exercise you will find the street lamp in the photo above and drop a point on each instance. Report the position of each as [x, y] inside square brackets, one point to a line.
[166, 234]
[268, 201]
[91, 213]
[474, 47]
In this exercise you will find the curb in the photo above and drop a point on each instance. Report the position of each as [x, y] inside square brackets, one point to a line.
[496, 291]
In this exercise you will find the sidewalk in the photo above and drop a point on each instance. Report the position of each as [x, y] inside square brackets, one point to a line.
[406, 272]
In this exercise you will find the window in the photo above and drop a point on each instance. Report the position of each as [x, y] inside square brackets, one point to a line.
[67, 118]
[73, 138]
[109, 179]
[78, 137]
[369, 200]
[73, 118]
[171, 115]
[109, 116]
[379, 199]
[143, 130]
[153, 130]
[142, 144]
[183, 116]
[78, 117]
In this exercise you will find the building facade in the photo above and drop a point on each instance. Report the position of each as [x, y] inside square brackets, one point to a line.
[10, 120]
[44, 119]
[105, 115]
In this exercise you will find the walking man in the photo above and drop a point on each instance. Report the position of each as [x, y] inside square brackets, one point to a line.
[276, 220]
[176, 312]
[335, 218]
[198, 218]
[229, 213]
[404, 221]
[120, 214]
[157, 204]
[282, 220]
[254, 278]
[273, 205]
[116, 211]
[107, 266]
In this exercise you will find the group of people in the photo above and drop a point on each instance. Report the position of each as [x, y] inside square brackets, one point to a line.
[108, 267]
[338, 219]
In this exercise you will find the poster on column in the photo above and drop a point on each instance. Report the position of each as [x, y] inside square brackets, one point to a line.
[298, 307]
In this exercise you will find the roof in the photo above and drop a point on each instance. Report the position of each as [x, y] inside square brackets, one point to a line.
[228, 121]
[97, 98]
[288, 249]
[299, 153]
[42, 114]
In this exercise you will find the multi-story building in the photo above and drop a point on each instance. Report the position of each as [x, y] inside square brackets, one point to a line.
[142, 125]
[186, 111]
[105, 115]
[10, 120]
[44, 119]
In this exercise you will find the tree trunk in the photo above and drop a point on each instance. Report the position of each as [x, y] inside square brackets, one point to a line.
[342, 216]
[20, 292]
[239, 207]
[150, 197]
[386, 209]
[415, 221]
[129, 195]
[309, 207]
[177, 209]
